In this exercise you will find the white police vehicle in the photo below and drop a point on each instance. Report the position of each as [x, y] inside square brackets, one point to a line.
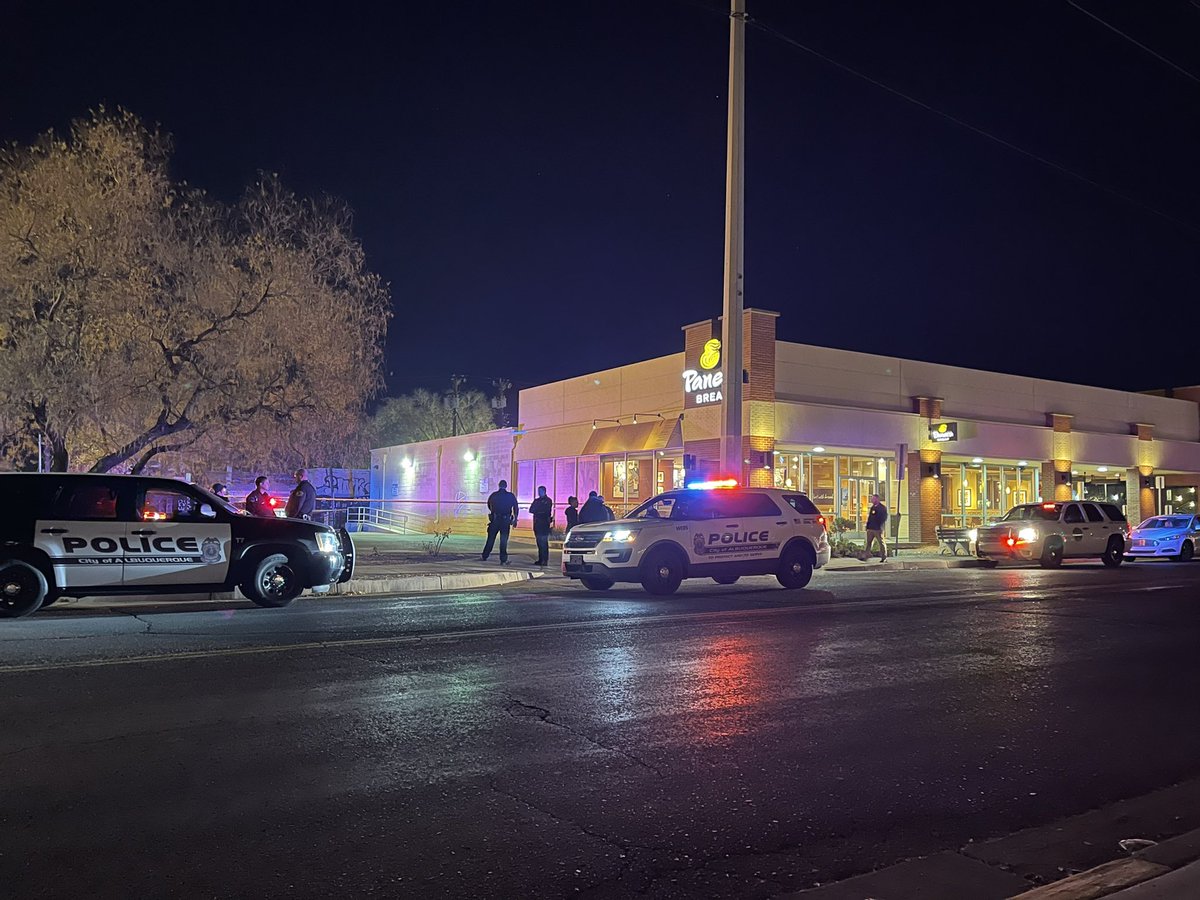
[712, 529]
[67, 535]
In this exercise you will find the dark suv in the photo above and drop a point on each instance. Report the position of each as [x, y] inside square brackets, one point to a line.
[66, 535]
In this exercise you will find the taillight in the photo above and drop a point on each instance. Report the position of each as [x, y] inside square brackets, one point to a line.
[1010, 541]
[821, 521]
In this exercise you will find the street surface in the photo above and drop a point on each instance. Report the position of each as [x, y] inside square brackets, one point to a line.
[538, 740]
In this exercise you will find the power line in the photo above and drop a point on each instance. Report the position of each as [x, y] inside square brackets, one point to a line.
[975, 129]
[1115, 30]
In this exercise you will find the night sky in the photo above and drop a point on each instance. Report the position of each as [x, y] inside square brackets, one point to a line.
[543, 182]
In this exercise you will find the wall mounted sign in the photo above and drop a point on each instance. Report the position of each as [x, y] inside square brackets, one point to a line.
[703, 377]
[943, 432]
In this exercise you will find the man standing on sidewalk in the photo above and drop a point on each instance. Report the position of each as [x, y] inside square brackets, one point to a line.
[875, 520]
[542, 510]
[502, 515]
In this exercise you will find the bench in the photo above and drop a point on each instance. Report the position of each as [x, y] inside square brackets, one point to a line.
[953, 539]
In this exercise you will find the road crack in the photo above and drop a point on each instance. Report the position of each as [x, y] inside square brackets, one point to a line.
[519, 709]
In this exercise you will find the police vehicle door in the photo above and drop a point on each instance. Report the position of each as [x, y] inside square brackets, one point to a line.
[172, 542]
[82, 533]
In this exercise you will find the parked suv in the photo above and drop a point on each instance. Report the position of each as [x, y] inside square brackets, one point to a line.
[714, 530]
[65, 535]
[1052, 532]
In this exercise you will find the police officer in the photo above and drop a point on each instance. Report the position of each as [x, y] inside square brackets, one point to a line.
[303, 498]
[542, 510]
[593, 509]
[258, 501]
[221, 491]
[502, 515]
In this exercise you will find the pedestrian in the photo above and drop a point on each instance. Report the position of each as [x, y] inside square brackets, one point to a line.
[221, 491]
[875, 519]
[542, 510]
[572, 513]
[303, 499]
[609, 515]
[259, 501]
[593, 509]
[502, 516]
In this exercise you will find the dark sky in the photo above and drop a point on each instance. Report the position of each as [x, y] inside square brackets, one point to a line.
[543, 182]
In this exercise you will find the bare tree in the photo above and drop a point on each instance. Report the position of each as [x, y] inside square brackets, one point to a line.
[424, 416]
[138, 317]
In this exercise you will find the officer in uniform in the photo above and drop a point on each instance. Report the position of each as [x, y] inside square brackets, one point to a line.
[303, 499]
[258, 501]
[502, 515]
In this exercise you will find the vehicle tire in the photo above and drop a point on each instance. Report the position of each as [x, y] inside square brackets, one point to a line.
[662, 572]
[596, 584]
[1052, 555]
[1134, 558]
[274, 583]
[1186, 552]
[795, 566]
[23, 589]
[1114, 553]
[726, 579]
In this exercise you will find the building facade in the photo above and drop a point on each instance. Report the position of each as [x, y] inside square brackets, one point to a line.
[942, 445]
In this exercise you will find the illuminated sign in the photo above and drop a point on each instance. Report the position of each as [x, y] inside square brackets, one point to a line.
[703, 378]
[943, 432]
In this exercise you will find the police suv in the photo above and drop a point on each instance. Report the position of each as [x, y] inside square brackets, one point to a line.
[712, 529]
[66, 535]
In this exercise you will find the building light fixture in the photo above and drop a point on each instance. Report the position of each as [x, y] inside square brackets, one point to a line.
[1022, 463]
[469, 456]
[406, 463]
[977, 460]
[818, 450]
[614, 421]
[1101, 468]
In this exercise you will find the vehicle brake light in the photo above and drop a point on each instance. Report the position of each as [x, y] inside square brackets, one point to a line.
[273, 501]
[1049, 505]
[1010, 541]
[821, 521]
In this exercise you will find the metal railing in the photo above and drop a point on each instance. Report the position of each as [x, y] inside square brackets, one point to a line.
[370, 518]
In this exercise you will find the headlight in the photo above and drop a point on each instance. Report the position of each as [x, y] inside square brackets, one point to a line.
[973, 534]
[620, 536]
[1028, 535]
[327, 542]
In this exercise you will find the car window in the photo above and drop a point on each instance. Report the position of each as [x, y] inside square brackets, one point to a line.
[802, 504]
[1073, 514]
[1046, 511]
[741, 505]
[166, 505]
[1113, 512]
[88, 500]
[1093, 514]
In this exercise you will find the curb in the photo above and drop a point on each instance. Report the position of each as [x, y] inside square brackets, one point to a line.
[457, 581]
[1111, 877]
[909, 565]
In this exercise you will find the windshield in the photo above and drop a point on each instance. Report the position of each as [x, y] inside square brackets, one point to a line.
[217, 502]
[665, 506]
[1166, 522]
[1032, 513]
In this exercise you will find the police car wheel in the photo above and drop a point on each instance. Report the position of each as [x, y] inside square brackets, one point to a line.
[275, 582]
[662, 572]
[22, 589]
[795, 567]
[596, 584]
[725, 579]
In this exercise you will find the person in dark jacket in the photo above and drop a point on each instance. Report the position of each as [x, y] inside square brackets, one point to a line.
[542, 510]
[609, 515]
[572, 512]
[303, 498]
[593, 510]
[259, 501]
[502, 515]
[221, 491]
[875, 519]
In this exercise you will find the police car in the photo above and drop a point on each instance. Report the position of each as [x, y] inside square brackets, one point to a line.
[66, 535]
[712, 529]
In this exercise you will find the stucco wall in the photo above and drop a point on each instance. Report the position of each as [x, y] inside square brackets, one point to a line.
[651, 386]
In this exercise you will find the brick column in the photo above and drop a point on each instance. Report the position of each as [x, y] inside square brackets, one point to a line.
[758, 394]
[1147, 502]
[925, 491]
[1056, 473]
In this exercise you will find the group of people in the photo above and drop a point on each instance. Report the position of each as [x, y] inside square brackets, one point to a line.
[503, 510]
[259, 502]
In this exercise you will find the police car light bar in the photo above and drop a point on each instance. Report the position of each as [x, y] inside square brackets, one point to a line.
[712, 485]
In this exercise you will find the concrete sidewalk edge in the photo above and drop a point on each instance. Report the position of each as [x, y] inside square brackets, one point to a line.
[428, 582]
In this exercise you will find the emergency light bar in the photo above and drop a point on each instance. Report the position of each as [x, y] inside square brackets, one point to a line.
[713, 485]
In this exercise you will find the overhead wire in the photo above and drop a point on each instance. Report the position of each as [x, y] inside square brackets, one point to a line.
[753, 22]
[1113, 28]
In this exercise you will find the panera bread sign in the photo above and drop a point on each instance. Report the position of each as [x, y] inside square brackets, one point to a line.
[703, 379]
[943, 432]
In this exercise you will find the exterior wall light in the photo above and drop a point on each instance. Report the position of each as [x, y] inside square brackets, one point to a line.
[469, 456]
[818, 449]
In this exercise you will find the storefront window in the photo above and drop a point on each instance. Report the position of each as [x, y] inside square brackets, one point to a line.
[840, 485]
[978, 493]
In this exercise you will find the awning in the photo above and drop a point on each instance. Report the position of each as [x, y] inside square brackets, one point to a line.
[657, 434]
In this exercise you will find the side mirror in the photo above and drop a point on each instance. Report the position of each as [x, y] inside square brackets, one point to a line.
[207, 511]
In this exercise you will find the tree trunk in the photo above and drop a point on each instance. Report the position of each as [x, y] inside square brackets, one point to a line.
[59, 458]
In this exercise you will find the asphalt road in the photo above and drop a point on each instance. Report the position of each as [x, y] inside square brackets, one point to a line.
[543, 741]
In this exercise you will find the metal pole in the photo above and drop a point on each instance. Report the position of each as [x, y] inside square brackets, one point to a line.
[40, 451]
[731, 326]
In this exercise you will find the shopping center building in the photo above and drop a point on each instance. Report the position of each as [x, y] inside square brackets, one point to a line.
[942, 445]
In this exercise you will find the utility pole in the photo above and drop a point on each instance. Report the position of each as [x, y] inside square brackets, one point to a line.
[731, 326]
[456, 382]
